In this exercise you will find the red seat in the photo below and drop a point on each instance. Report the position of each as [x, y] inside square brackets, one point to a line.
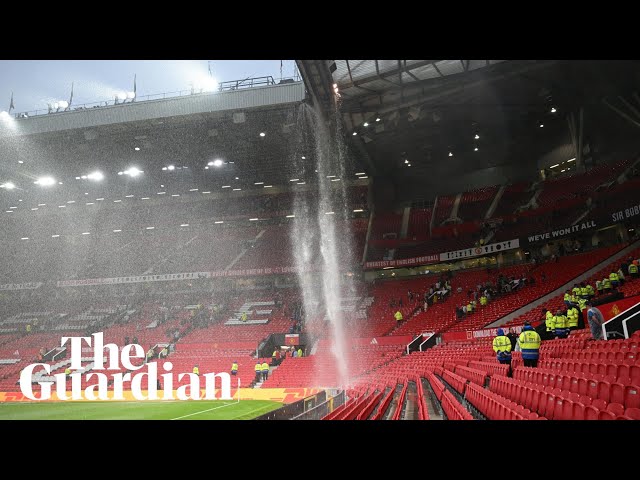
[591, 413]
[633, 413]
[578, 411]
[599, 404]
[617, 393]
[605, 415]
[615, 408]
[604, 390]
[631, 396]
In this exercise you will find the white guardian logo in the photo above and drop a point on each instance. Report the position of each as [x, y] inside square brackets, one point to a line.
[119, 361]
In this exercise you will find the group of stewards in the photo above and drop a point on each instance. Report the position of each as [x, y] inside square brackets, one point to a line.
[528, 343]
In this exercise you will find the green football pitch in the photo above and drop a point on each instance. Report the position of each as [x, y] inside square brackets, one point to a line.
[156, 410]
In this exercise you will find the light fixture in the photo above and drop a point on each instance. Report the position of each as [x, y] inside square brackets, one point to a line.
[24, 238]
[218, 222]
[175, 195]
[294, 180]
[365, 124]
[553, 110]
[571, 160]
[137, 149]
[335, 179]
[150, 228]
[378, 119]
[262, 134]
[184, 225]
[364, 177]
[89, 203]
[95, 176]
[216, 163]
[132, 172]
[542, 125]
[301, 183]
[85, 233]
[193, 189]
[8, 186]
[144, 198]
[116, 231]
[237, 178]
[329, 213]
[554, 166]
[331, 176]
[475, 149]
[226, 186]
[253, 219]
[451, 154]
[45, 181]
[358, 210]
[161, 193]
[42, 204]
[477, 137]
[259, 183]
[304, 158]
[117, 201]
[71, 201]
[406, 161]
[20, 161]
[268, 186]
[55, 236]
[99, 199]
[237, 189]
[355, 133]
[205, 192]
[290, 216]
[408, 164]
[128, 196]
[361, 173]
[34, 208]
[171, 168]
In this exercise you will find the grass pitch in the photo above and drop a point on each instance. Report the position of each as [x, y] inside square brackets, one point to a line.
[146, 410]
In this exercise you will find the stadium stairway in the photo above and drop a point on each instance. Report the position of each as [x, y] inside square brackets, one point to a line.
[560, 290]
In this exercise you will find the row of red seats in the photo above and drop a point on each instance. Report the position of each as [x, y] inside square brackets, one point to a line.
[600, 368]
[496, 407]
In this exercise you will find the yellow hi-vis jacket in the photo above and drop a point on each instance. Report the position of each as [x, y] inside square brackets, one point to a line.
[299, 353]
[529, 340]
[613, 276]
[550, 322]
[265, 367]
[234, 367]
[607, 283]
[633, 269]
[599, 285]
[567, 297]
[501, 344]
[398, 315]
[196, 370]
[258, 367]
[584, 291]
[572, 317]
[582, 304]
[560, 321]
[590, 290]
[483, 300]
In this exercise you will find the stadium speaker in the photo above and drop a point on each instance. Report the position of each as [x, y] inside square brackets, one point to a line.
[239, 117]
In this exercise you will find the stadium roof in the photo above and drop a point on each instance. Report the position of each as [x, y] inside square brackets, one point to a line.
[488, 119]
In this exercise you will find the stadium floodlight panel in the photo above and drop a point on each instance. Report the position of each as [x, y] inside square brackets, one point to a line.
[217, 163]
[8, 186]
[45, 181]
[96, 176]
[133, 172]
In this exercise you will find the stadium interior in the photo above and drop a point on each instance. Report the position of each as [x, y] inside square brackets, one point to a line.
[448, 198]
